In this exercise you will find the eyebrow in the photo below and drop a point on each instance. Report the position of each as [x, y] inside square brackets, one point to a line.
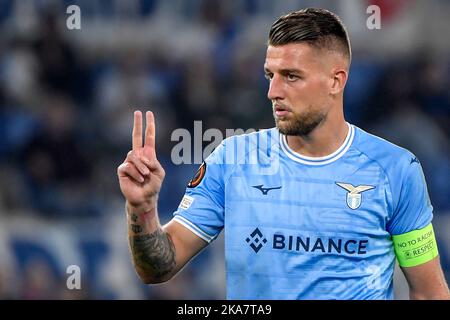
[286, 71]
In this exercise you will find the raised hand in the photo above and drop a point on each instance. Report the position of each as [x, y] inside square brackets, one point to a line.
[141, 175]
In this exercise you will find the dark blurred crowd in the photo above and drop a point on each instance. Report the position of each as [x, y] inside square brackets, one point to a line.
[66, 105]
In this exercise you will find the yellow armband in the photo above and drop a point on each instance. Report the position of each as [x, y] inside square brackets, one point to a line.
[415, 247]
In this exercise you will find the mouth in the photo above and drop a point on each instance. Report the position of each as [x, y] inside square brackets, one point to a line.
[281, 111]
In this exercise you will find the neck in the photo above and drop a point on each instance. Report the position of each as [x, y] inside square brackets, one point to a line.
[326, 138]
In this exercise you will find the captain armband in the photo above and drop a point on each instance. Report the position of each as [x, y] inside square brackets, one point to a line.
[415, 247]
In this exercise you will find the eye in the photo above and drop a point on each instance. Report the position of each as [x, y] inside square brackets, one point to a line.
[292, 77]
[268, 75]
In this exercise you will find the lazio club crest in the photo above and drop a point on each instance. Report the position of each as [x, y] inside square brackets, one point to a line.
[354, 196]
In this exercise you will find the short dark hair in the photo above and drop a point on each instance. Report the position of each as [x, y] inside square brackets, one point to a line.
[318, 27]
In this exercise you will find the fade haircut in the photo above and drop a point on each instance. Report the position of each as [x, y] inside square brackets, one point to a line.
[319, 28]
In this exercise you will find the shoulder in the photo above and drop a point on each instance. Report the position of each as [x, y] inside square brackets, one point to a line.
[256, 150]
[389, 156]
[400, 166]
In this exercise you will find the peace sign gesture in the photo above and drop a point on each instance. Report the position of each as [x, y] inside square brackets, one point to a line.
[141, 175]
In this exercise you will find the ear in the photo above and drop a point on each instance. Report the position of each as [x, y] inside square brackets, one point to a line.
[339, 80]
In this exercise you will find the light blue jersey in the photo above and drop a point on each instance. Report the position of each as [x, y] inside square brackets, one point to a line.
[298, 227]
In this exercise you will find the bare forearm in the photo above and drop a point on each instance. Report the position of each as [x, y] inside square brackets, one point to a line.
[431, 296]
[438, 292]
[152, 249]
[427, 281]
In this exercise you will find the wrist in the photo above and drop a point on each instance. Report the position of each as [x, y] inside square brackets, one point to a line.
[142, 218]
[144, 205]
[145, 208]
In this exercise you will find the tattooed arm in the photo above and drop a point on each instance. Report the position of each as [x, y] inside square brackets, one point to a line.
[152, 249]
[158, 253]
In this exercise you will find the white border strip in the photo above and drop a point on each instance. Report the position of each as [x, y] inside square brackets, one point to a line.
[192, 227]
[318, 161]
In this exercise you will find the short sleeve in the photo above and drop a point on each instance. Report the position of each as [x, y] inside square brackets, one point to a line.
[201, 210]
[413, 208]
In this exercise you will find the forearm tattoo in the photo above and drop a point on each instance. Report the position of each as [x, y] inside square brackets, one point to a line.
[153, 252]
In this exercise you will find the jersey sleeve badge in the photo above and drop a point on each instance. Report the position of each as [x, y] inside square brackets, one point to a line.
[195, 181]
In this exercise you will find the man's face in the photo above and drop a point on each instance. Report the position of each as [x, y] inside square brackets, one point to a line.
[299, 76]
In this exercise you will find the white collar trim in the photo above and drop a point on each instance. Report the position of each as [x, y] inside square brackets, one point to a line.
[318, 161]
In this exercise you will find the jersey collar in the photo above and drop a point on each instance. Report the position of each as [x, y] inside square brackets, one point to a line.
[317, 161]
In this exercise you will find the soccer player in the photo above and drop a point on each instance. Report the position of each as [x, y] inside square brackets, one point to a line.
[315, 208]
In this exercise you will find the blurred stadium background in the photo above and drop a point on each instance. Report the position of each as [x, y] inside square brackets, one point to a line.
[66, 102]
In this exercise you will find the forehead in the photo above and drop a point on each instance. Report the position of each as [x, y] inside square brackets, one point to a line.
[292, 55]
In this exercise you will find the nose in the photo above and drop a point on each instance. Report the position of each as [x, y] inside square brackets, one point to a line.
[275, 88]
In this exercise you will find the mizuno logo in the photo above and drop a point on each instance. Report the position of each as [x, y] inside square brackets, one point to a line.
[265, 190]
[414, 160]
[354, 197]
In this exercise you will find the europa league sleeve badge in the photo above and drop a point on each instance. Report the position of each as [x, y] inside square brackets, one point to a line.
[195, 181]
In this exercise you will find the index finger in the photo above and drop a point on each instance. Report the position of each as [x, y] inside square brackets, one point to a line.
[137, 130]
[150, 130]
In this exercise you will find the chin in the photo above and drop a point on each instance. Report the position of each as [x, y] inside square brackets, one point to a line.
[290, 128]
[299, 125]
[285, 127]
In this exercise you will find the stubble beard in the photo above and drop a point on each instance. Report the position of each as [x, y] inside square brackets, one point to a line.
[299, 124]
